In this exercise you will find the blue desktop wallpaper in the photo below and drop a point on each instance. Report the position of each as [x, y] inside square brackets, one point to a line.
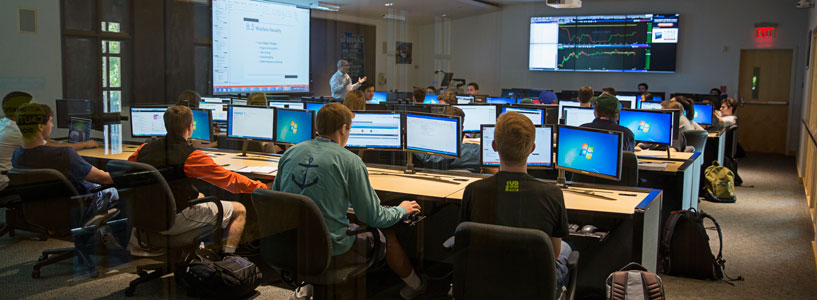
[201, 125]
[590, 151]
[378, 98]
[431, 99]
[293, 126]
[495, 100]
[651, 127]
[314, 106]
[703, 114]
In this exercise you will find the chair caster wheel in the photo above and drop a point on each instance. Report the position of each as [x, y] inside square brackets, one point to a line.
[35, 274]
[129, 292]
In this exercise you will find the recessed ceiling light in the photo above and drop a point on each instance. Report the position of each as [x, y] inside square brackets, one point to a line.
[390, 4]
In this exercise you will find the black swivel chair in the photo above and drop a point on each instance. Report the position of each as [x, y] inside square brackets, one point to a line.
[501, 262]
[731, 143]
[152, 210]
[697, 139]
[295, 242]
[49, 201]
[629, 173]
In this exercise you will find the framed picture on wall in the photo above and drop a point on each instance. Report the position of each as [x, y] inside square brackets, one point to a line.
[403, 53]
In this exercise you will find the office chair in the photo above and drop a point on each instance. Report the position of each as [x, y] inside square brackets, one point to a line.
[152, 210]
[629, 173]
[295, 242]
[50, 202]
[696, 138]
[731, 143]
[14, 217]
[501, 262]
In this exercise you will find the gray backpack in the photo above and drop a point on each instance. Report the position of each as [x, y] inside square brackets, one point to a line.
[634, 282]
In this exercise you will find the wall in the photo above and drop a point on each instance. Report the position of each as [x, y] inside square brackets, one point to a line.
[492, 49]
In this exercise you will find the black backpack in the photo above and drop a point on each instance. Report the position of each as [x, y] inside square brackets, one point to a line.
[685, 247]
[205, 274]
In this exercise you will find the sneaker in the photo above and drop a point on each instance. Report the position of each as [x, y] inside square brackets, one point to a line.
[410, 293]
[302, 293]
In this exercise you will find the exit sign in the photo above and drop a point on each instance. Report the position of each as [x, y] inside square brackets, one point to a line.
[765, 30]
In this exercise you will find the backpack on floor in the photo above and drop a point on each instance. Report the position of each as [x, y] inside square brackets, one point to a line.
[719, 184]
[634, 282]
[685, 247]
[205, 274]
[732, 164]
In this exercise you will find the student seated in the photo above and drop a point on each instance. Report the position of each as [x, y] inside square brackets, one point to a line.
[355, 100]
[606, 112]
[687, 112]
[469, 153]
[35, 122]
[726, 114]
[336, 179]
[472, 89]
[10, 136]
[514, 198]
[447, 97]
[585, 94]
[431, 90]
[368, 91]
[418, 96]
[548, 97]
[173, 151]
[192, 99]
[683, 124]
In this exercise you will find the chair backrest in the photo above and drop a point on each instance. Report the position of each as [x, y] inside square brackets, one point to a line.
[294, 236]
[629, 173]
[696, 138]
[500, 262]
[731, 143]
[48, 198]
[151, 206]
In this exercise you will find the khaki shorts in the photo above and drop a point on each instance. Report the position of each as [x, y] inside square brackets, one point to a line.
[365, 250]
[198, 216]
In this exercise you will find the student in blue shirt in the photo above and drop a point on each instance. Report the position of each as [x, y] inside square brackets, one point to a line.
[335, 178]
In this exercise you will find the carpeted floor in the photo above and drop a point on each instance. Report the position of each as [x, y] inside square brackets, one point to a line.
[767, 240]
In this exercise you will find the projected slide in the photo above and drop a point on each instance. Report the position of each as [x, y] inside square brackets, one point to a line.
[259, 46]
[611, 43]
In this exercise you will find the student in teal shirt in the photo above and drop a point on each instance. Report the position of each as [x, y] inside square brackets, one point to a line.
[335, 179]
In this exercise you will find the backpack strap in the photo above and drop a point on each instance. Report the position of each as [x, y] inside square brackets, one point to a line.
[719, 261]
[618, 286]
[652, 286]
[666, 238]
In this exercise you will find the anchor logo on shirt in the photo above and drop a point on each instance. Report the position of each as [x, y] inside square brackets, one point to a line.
[303, 185]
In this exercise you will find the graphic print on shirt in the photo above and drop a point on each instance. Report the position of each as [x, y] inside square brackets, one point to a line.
[303, 185]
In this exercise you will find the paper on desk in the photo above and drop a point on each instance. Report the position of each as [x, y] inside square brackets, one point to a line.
[657, 166]
[259, 170]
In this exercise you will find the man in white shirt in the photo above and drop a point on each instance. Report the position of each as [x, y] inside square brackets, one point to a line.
[10, 136]
[341, 83]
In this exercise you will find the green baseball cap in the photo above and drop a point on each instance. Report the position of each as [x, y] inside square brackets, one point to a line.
[606, 103]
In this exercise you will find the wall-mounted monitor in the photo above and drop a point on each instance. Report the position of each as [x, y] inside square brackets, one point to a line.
[259, 46]
[604, 43]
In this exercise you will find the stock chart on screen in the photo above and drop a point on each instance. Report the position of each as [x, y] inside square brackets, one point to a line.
[610, 43]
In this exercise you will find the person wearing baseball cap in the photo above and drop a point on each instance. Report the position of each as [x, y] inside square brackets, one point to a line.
[606, 112]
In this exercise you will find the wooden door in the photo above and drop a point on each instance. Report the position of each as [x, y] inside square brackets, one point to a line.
[764, 91]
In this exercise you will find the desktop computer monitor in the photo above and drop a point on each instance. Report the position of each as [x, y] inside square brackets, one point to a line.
[236, 101]
[478, 114]
[376, 130]
[703, 114]
[285, 104]
[480, 98]
[651, 105]
[293, 126]
[431, 99]
[578, 116]
[433, 134]
[147, 121]
[563, 104]
[498, 100]
[251, 122]
[314, 106]
[536, 115]
[467, 99]
[379, 97]
[650, 126]
[202, 124]
[79, 130]
[218, 109]
[589, 151]
[541, 157]
[628, 101]
[67, 108]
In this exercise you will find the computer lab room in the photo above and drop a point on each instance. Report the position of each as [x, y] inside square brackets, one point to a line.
[408, 149]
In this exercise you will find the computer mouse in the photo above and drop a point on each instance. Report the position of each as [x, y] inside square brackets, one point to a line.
[573, 227]
[588, 229]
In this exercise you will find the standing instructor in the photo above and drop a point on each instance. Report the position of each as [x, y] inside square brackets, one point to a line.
[341, 83]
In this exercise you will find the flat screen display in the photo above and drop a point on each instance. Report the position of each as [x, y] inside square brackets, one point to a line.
[648, 126]
[703, 114]
[147, 121]
[542, 155]
[589, 151]
[433, 134]
[378, 97]
[375, 130]
[604, 43]
[294, 126]
[578, 116]
[251, 122]
[202, 125]
[498, 100]
[431, 99]
[537, 116]
[476, 115]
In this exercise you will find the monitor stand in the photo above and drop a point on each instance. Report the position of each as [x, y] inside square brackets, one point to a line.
[244, 144]
[669, 154]
[561, 182]
[409, 163]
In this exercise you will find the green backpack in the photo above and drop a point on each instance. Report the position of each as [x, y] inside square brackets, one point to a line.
[720, 184]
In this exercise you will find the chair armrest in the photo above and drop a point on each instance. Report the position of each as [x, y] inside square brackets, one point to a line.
[449, 243]
[101, 188]
[573, 274]
[219, 215]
